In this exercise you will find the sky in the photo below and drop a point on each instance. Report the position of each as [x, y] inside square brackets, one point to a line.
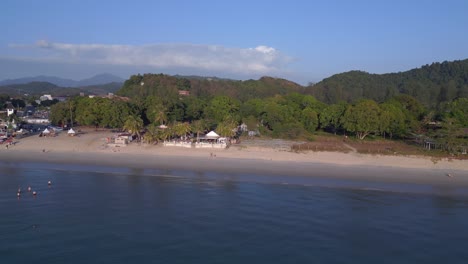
[302, 41]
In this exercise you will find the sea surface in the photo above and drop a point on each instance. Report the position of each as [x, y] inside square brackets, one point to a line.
[124, 215]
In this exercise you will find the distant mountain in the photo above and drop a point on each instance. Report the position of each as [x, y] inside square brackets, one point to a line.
[40, 88]
[104, 78]
[95, 80]
[37, 88]
[42, 78]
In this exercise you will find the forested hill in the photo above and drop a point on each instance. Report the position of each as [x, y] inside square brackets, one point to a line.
[166, 85]
[430, 84]
[37, 88]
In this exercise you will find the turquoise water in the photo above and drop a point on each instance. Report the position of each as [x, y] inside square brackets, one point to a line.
[118, 215]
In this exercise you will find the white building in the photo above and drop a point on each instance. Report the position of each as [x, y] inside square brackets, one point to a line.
[46, 97]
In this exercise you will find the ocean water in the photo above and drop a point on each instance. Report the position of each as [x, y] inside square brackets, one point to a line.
[123, 215]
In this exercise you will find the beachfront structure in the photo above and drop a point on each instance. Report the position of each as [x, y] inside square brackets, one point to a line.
[120, 140]
[42, 121]
[211, 140]
[177, 143]
[71, 132]
[10, 109]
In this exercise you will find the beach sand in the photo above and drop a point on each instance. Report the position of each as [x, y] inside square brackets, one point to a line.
[90, 148]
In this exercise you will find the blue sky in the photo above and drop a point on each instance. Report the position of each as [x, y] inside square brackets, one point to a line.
[303, 41]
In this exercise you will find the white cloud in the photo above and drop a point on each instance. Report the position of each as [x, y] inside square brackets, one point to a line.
[253, 61]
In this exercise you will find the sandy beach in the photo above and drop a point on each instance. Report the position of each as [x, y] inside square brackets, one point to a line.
[90, 148]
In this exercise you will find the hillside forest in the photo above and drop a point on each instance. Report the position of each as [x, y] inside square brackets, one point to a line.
[425, 104]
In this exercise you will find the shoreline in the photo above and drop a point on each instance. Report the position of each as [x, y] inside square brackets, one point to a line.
[89, 149]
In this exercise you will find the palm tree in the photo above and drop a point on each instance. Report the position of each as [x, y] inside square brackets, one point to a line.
[134, 124]
[199, 126]
[151, 135]
[164, 134]
[159, 112]
[181, 129]
[226, 128]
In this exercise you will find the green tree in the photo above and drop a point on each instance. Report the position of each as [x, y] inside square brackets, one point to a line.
[252, 107]
[199, 126]
[134, 124]
[309, 119]
[59, 114]
[458, 110]
[251, 122]
[451, 135]
[362, 118]
[331, 117]
[194, 108]
[157, 113]
[181, 129]
[222, 107]
[227, 128]
[152, 134]
[391, 120]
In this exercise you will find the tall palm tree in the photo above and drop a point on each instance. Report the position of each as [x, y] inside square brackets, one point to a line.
[199, 126]
[164, 134]
[159, 112]
[182, 129]
[134, 124]
[152, 134]
[226, 128]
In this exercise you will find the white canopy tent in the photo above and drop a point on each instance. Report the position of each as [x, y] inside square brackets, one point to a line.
[71, 132]
[212, 135]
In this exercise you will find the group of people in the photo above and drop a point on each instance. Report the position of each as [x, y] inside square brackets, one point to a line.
[34, 193]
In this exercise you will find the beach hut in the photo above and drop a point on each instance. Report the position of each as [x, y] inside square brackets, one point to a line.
[71, 132]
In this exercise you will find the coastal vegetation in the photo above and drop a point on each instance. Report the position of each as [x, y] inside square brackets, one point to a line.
[424, 106]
